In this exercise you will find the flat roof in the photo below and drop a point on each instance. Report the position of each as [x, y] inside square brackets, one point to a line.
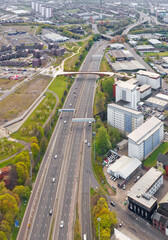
[117, 45]
[143, 131]
[164, 199]
[132, 81]
[162, 96]
[165, 59]
[149, 74]
[141, 47]
[127, 53]
[126, 85]
[125, 109]
[132, 65]
[125, 166]
[157, 101]
[139, 191]
[154, 41]
[120, 236]
[144, 88]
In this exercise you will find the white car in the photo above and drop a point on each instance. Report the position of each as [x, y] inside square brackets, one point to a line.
[62, 224]
[53, 180]
[65, 122]
[85, 141]
[55, 157]
[88, 144]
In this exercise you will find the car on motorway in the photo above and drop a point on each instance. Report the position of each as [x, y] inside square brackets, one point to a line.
[53, 180]
[112, 203]
[60, 117]
[50, 212]
[65, 122]
[55, 156]
[70, 104]
[62, 224]
[88, 144]
[85, 141]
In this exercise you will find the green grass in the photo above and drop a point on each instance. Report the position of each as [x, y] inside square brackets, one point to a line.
[59, 85]
[152, 159]
[153, 54]
[38, 117]
[15, 230]
[104, 67]
[8, 148]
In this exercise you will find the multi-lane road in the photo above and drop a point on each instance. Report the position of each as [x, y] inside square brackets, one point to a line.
[71, 169]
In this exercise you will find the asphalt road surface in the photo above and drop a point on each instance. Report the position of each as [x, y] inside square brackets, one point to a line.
[67, 143]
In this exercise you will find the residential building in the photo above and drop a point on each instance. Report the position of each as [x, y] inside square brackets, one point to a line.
[160, 216]
[127, 92]
[149, 78]
[124, 119]
[140, 197]
[162, 162]
[146, 138]
[36, 62]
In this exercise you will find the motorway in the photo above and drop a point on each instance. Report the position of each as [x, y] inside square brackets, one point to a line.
[67, 142]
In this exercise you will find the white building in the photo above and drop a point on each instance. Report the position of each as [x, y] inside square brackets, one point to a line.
[127, 92]
[155, 41]
[36, 7]
[48, 12]
[124, 167]
[43, 11]
[117, 46]
[146, 138]
[140, 197]
[124, 119]
[33, 5]
[149, 78]
[40, 8]
[145, 90]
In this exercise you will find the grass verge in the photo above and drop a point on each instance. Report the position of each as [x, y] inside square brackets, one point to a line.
[152, 159]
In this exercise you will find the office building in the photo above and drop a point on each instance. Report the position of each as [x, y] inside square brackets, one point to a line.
[157, 103]
[140, 197]
[149, 78]
[127, 92]
[146, 138]
[145, 90]
[124, 119]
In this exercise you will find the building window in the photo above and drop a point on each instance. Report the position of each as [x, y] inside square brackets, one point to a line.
[134, 208]
[142, 212]
[146, 214]
[131, 207]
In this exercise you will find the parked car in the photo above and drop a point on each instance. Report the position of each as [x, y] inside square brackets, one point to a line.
[124, 187]
[112, 203]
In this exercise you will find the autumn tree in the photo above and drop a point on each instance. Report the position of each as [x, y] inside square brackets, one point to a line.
[3, 236]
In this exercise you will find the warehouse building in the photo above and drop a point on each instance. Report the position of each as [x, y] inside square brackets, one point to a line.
[121, 55]
[145, 48]
[124, 167]
[155, 42]
[146, 138]
[127, 92]
[127, 66]
[124, 119]
[117, 46]
[149, 78]
[157, 103]
[162, 96]
[145, 90]
[140, 198]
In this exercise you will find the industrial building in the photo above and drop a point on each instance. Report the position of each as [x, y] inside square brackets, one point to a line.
[146, 138]
[133, 81]
[121, 55]
[127, 92]
[157, 103]
[149, 78]
[155, 42]
[53, 37]
[124, 119]
[160, 216]
[162, 96]
[140, 198]
[127, 66]
[117, 46]
[145, 48]
[145, 90]
[124, 167]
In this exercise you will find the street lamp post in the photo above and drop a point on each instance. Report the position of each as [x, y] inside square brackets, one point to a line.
[30, 153]
[99, 219]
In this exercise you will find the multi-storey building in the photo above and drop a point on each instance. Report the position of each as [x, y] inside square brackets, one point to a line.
[125, 119]
[127, 92]
[146, 138]
[149, 78]
[140, 197]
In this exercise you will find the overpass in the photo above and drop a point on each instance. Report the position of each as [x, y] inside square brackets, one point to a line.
[101, 74]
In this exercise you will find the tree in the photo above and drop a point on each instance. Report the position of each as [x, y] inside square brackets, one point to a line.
[102, 141]
[19, 190]
[35, 149]
[26, 192]
[22, 172]
[4, 227]
[13, 177]
[107, 86]
[33, 140]
[43, 144]
[3, 236]
[100, 102]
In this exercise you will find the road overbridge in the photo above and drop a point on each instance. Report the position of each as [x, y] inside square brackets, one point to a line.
[101, 74]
